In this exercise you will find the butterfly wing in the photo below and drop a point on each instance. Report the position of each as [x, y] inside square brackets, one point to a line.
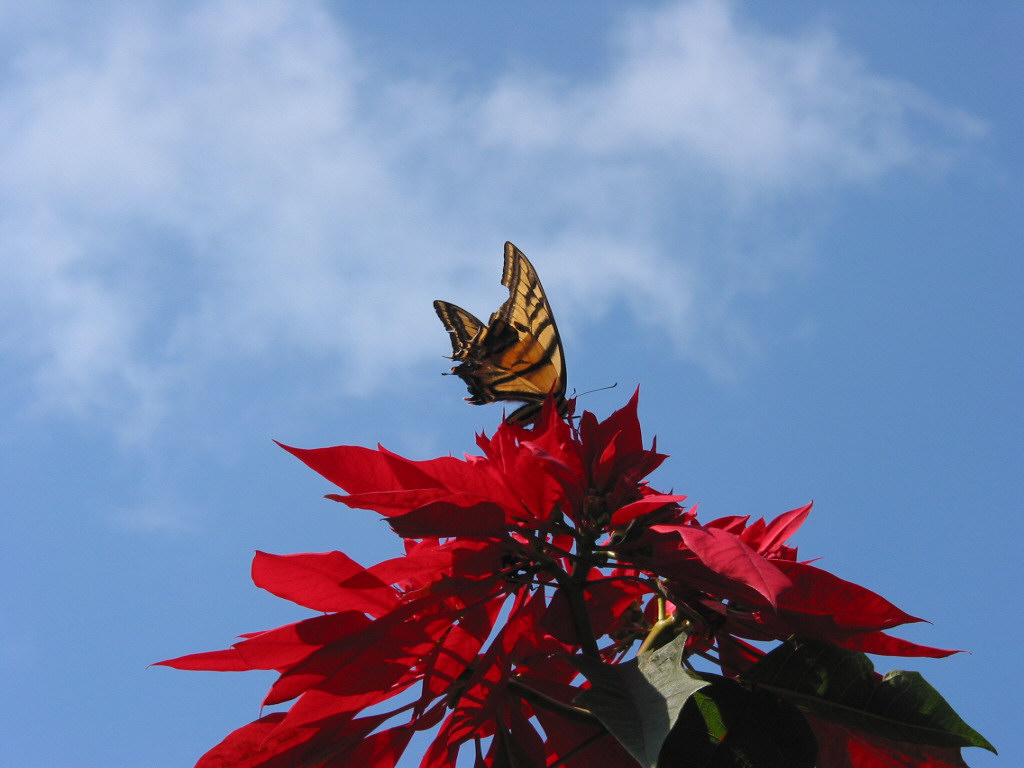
[462, 326]
[518, 355]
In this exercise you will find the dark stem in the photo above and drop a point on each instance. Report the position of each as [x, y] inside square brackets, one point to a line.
[567, 711]
[575, 592]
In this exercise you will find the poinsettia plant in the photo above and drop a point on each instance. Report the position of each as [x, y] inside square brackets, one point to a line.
[552, 609]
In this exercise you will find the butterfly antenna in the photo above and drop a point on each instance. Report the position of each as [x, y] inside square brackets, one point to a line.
[599, 389]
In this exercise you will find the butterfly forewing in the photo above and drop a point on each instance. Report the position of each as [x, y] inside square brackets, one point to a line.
[518, 355]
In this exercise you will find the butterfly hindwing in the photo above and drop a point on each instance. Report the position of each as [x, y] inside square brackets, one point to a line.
[518, 354]
[462, 326]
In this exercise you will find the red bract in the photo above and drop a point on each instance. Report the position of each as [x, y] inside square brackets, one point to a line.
[547, 547]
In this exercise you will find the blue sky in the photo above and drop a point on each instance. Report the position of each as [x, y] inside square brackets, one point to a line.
[796, 226]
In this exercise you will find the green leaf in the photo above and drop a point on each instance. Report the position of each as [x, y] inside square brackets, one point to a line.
[842, 686]
[727, 725]
[638, 701]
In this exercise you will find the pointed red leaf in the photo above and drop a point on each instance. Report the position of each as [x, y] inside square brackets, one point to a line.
[323, 581]
[779, 530]
[624, 514]
[390, 503]
[887, 645]
[363, 470]
[286, 646]
[458, 515]
[228, 660]
[850, 606]
[733, 524]
[726, 554]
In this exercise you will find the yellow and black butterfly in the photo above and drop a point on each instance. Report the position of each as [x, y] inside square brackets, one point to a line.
[518, 354]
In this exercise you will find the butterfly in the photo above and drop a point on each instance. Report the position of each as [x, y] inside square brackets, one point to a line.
[518, 354]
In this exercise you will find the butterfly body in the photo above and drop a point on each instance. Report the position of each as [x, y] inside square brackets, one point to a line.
[518, 354]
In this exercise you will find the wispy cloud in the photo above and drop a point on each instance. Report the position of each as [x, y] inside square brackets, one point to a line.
[694, 89]
[187, 188]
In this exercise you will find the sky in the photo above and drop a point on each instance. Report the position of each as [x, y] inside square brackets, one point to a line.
[795, 226]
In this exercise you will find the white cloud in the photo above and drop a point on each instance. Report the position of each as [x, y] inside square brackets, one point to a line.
[187, 187]
[694, 87]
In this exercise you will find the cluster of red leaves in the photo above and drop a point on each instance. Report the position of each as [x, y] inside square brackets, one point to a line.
[548, 546]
